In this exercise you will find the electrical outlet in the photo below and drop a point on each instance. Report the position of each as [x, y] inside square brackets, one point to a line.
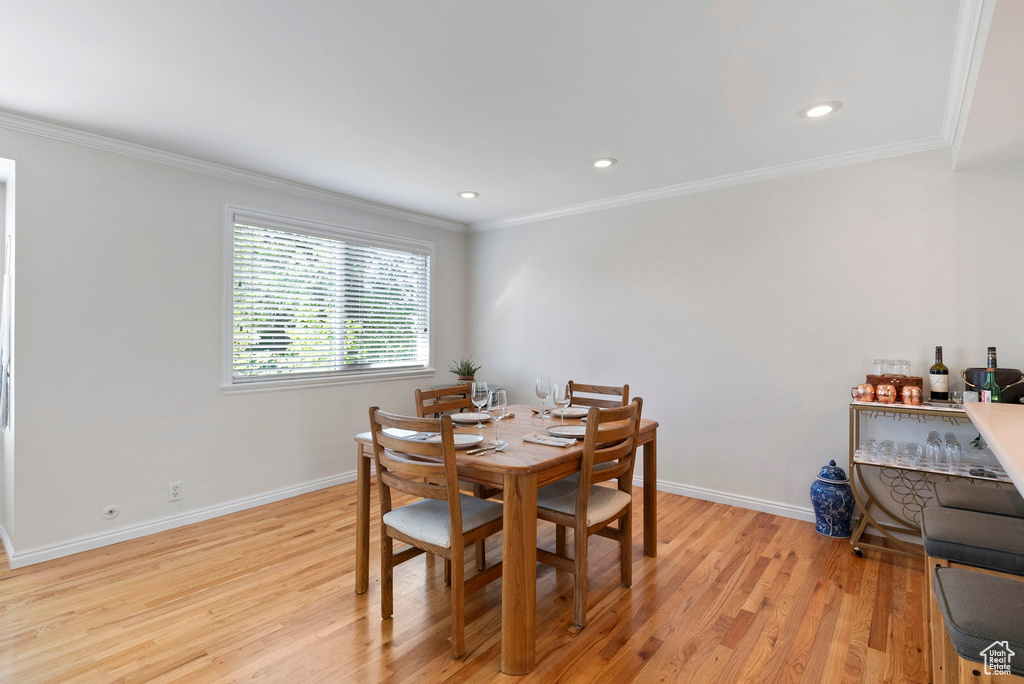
[174, 491]
[110, 512]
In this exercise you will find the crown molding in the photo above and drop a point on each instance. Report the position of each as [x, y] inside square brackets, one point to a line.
[967, 27]
[44, 129]
[692, 187]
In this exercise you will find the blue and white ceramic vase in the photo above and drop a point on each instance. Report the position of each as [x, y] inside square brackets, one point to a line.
[832, 499]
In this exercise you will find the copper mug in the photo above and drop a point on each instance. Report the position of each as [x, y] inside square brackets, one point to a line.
[885, 394]
[912, 395]
[863, 392]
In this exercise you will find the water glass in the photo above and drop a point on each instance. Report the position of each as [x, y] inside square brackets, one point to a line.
[956, 396]
[868, 450]
[932, 451]
[953, 453]
[910, 455]
[478, 395]
[955, 457]
[880, 366]
[887, 452]
[904, 368]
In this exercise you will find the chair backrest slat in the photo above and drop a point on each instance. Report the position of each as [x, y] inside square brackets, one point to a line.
[421, 489]
[615, 432]
[618, 450]
[407, 468]
[578, 389]
[415, 466]
[611, 438]
[428, 406]
[433, 451]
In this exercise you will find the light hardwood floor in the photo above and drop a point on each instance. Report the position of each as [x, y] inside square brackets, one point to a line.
[267, 595]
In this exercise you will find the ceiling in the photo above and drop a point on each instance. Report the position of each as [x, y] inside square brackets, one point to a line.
[408, 102]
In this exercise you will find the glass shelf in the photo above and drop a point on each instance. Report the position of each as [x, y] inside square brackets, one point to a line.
[964, 471]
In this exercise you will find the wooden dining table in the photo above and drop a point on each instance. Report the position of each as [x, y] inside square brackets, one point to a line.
[519, 470]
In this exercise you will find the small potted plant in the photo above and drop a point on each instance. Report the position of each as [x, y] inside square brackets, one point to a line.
[465, 369]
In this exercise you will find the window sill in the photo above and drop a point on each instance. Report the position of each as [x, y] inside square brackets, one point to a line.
[324, 381]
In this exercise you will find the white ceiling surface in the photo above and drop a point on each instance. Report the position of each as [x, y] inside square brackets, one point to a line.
[408, 102]
[993, 133]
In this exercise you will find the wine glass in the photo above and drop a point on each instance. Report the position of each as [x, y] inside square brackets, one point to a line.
[543, 389]
[560, 396]
[497, 405]
[478, 395]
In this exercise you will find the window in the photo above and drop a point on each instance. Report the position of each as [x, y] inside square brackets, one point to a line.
[312, 304]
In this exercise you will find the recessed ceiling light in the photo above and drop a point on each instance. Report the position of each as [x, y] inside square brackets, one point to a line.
[821, 109]
[604, 162]
[468, 194]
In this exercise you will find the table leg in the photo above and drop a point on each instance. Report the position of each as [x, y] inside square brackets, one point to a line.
[651, 496]
[362, 521]
[519, 575]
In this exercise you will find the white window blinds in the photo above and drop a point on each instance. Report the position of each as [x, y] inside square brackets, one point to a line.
[306, 305]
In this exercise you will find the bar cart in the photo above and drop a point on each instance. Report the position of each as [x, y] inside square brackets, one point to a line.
[909, 488]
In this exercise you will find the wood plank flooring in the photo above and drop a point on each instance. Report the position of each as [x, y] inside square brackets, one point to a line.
[267, 595]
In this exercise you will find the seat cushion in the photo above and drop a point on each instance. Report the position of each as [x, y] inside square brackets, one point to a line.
[603, 503]
[980, 610]
[981, 499]
[428, 520]
[982, 539]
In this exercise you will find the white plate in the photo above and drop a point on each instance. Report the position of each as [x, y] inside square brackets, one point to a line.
[462, 440]
[570, 431]
[470, 417]
[571, 412]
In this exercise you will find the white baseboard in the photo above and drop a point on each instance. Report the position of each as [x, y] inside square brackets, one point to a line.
[764, 505]
[18, 559]
[7, 543]
[805, 513]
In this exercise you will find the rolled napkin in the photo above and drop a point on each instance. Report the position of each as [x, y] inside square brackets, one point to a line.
[548, 440]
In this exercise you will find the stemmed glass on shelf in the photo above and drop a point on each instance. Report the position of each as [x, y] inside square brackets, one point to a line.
[478, 395]
[543, 389]
[497, 406]
[560, 396]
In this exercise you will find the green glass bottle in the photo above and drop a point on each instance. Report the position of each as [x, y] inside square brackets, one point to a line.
[990, 390]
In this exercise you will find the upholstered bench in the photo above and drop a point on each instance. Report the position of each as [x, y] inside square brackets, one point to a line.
[979, 543]
[978, 628]
[982, 540]
[967, 497]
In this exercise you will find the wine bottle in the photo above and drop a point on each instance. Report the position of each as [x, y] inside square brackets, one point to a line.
[939, 377]
[990, 390]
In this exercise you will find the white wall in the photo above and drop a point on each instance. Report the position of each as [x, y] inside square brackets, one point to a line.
[743, 316]
[6, 501]
[118, 340]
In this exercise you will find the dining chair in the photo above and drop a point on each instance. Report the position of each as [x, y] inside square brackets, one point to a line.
[579, 502]
[577, 389]
[442, 522]
[428, 406]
